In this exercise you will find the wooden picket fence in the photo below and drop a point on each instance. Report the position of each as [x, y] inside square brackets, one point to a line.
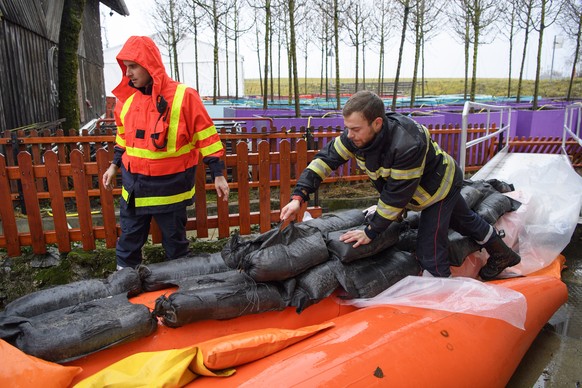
[48, 180]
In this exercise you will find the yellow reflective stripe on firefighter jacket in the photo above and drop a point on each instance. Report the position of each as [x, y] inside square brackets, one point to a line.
[161, 150]
[406, 166]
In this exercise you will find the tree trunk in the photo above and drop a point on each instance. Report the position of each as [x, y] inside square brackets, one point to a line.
[294, 56]
[400, 50]
[467, 42]
[476, 32]
[418, 37]
[174, 41]
[266, 70]
[523, 55]
[71, 24]
[573, 75]
[539, 57]
[336, 49]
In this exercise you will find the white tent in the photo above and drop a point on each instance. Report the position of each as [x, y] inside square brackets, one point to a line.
[187, 67]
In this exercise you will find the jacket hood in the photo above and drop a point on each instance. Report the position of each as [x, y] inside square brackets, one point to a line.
[143, 51]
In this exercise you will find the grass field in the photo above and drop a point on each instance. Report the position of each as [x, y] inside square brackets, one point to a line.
[497, 87]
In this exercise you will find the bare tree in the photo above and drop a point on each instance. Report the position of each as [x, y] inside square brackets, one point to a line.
[460, 24]
[525, 22]
[325, 15]
[432, 12]
[379, 35]
[194, 20]
[336, 25]
[356, 18]
[548, 13]
[483, 13]
[406, 4]
[509, 17]
[168, 16]
[572, 26]
[267, 8]
[293, 53]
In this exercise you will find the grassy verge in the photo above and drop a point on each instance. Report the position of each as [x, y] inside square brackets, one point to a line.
[497, 87]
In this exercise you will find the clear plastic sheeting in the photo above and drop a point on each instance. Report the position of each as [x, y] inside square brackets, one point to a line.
[551, 195]
[457, 295]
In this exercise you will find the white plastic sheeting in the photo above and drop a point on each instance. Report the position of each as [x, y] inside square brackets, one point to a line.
[551, 193]
[458, 295]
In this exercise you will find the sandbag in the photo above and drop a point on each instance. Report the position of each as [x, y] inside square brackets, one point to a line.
[370, 276]
[218, 279]
[471, 195]
[412, 219]
[239, 247]
[347, 253]
[125, 282]
[460, 247]
[312, 286]
[501, 186]
[73, 332]
[407, 241]
[286, 253]
[494, 206]
[484, 187]
[337, 221]
[169, 273]
[223, 302]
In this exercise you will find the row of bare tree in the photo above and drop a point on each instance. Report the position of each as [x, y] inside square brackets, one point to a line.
[284, 29]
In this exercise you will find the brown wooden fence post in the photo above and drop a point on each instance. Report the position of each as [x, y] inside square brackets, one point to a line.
[10, 229]
[31, 201]
[106, 198]
[82, 199]
[284, 173]
[200, 201]
[222, 209]
[243, 189]
[59, 212]
[264, 187]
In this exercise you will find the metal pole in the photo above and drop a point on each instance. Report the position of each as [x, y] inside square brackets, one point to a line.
[553, 53]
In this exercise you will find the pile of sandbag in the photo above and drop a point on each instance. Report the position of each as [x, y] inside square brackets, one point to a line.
[297, 266]
[66, 322]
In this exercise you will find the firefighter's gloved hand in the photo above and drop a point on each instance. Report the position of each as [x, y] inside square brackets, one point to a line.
[369, 212]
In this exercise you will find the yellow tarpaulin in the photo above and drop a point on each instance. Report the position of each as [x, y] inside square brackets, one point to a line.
[216, 358]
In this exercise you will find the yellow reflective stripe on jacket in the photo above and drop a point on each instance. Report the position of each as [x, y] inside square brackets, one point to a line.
[441, 192]
[175, 118]
[209, 150]
[160, 200]
[341, 149]
[382, 172]
[320, 168]
[207, 134]
[412, 173]
[121, 128]
[387, 211]
[172, 136]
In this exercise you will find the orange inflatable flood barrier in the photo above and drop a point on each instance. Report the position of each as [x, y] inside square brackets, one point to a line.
[383, 345]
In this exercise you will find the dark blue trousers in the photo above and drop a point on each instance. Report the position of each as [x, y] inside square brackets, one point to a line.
[433, 230]
[134, 234]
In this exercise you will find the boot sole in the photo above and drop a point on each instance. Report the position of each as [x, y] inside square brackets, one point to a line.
[513, 263]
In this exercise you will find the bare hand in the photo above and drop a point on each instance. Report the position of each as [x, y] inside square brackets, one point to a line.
[359, 236]
[221, 186]
[109, 176]
[290, 211]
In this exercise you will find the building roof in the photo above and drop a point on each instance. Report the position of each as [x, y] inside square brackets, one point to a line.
[117, 6]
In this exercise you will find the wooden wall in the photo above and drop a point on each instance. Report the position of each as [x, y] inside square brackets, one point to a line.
[29, 32]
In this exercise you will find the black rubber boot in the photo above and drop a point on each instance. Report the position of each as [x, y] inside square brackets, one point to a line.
[500, 257]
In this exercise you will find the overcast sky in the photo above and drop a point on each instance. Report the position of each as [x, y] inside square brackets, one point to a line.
[444, 55]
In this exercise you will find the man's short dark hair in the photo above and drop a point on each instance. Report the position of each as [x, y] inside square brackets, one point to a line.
[367, 103]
